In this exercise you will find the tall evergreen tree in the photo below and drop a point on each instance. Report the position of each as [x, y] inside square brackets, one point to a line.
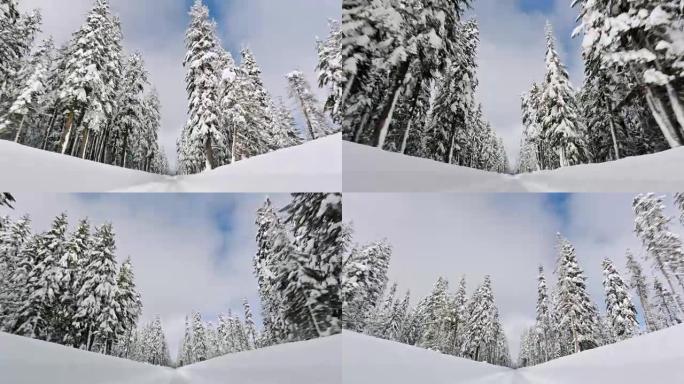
[620, 311]
[637, 281]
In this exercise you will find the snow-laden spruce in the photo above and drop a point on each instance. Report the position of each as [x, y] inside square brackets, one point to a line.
[66, 287]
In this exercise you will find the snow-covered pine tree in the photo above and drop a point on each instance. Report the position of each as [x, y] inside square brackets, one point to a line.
[185, 351]
[250, 327]
[9, 10]
[364, 279]
[200, 344]
[91, 69]
[378, 323]
[73, 262]
[128, 302]
[667, 309]
[646, 49]
[436, 312]
[316, 121]
[39, 311]
[545, 329]
[30, 92]
[6, 199]
[313, 289]
[531, 155]
[577, 314]
[203, 143]
[13, 238]
[663, 248]
[283, 131]
[637, 281]
[482, 328]
[16, 39]
[274, 252]
[561, 124]
[96, 299]
[330, 71]
[620, 311]
[679, 203]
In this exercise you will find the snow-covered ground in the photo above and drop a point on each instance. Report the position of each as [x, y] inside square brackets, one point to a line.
[27, 361]
[653, 358]
[368, 169]
[310, 362]
[312, 167]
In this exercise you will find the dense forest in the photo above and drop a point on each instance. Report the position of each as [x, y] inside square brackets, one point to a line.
[68, 288]
[567, 319]
[91, 99]
[409, 75]
[87, 98]
[630, 103]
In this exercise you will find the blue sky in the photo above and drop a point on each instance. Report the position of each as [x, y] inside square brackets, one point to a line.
[190, 252]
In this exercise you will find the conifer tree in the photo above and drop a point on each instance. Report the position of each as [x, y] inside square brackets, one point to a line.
[316, 121]
[250, 327]
[203, 143]
[620, 311]
[664, 248]
[200, 345]
[577, 315]
[637, 281]
[561, 124]
[97, 306]
[129, 303]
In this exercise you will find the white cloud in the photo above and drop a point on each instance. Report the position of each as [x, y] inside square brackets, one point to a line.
[504, 235]
[182, 259]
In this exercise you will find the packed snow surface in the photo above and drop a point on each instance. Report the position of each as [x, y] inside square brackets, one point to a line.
[27, 361]
[653, 358]
[368, 169]
[312, 167]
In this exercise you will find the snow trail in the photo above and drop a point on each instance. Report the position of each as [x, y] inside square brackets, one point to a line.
[312, 167]
[368, 169]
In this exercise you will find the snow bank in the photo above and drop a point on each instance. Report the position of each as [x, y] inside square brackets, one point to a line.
[653, 358]
[28, 361]
[368, 169]
[310, 362]
[312, 167]
[657, 357]
[367, 360]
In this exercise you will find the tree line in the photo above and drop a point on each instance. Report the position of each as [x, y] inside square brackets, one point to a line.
[568, 321]
[86, 99]
[66, 287]
[408, 82]
[630, 103]
[231, 116]
[90, 99]
[444, 321]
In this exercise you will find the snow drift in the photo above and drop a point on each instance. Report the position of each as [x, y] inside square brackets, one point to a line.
[368, 169]
[312, 167]
[28, 361]
[653, 358]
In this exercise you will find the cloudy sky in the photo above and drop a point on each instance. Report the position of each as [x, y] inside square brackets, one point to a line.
[504, 235]
[511, 56]
[190, 252]
[282, 35]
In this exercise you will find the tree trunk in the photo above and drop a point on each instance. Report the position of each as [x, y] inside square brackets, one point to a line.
[669, 283]
[382, 127]
[660, 116]
[209, 153]
[414, 104]
[53, 119]
[362, 126]
[614, 137]
[86, 141]
[21, 127]
[67, 129]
